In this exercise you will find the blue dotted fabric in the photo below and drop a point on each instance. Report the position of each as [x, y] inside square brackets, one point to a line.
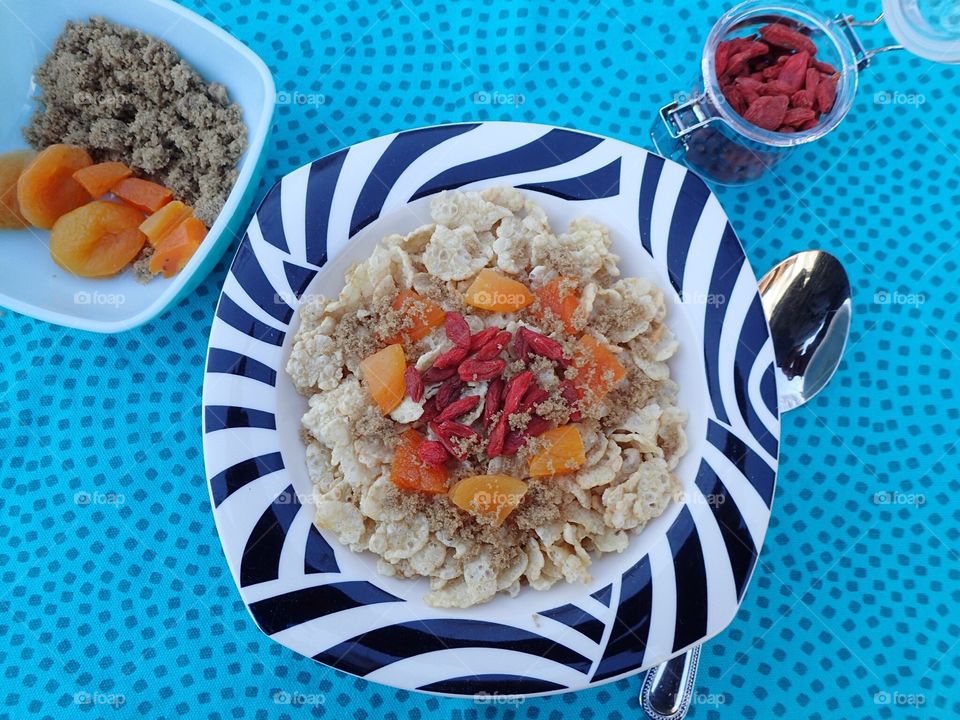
[115, 600]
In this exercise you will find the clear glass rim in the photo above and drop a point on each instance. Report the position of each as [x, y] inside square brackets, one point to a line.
[846, 89]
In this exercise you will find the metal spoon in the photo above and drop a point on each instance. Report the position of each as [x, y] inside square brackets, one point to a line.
[808, 305]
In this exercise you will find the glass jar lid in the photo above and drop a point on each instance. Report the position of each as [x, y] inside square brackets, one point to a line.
[928, 28]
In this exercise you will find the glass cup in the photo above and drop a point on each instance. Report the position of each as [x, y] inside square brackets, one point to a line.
[704, 132]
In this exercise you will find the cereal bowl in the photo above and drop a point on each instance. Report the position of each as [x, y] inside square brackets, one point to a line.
[679, 581]
[30, 281]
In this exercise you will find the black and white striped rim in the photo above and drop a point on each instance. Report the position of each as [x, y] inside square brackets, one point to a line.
[689, 569]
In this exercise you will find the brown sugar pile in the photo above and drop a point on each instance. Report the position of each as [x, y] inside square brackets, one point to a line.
[125, 96]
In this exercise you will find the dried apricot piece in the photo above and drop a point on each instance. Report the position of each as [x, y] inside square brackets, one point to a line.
[98, 179]
[561, 452]
[383, 375]
[424, 315]
[12, 166]
[494, 496]
[560, 297]
[46, 188]
[178, 247]
[598, 369]
[495, 292]
[165, 221]
[410, 472]
[98, 239]
[142, 194]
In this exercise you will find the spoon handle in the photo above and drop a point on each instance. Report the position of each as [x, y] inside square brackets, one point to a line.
[668, 687]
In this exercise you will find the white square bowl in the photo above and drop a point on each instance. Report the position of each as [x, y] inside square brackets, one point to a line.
[30, 281]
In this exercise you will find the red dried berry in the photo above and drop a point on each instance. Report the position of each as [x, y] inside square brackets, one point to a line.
[435, 374]
[482, 338]
[767, 112]
[497, 438]
[515, 390]
[449, 391]
[795, 117]
[513, 442]
[801, 99]
[536, 427]
[541, 345]
[749, 88]
[775, 88]
[493, 401]
[458, 332]
[823, 67]
[451, 358]
[721, 60]
[772, 72]
[532, 397]
[811, 80]
[480, 370]
[414, 382]
[494, 347]
[794, 72]
[433, 453]
[455, 429]
[458, 408]
[782, 36]
[568, 391]
[826, 94]
[429, 410]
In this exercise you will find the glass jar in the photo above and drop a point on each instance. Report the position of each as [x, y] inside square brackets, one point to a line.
[703, 131]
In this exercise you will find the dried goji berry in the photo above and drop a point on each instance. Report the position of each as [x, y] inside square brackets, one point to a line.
[802, 99]
[532, 397]
[515, 390]
[537, 426]
[429, 410]
[782, 36]
[796, 117]
[435, 374]
[480, 339]
[513, 442]
[449, 391]
[480, 370]
[458, 408]
[826, 94]
[794, 72]
[494, 347]
[767, 112]
[541, 344]
[775, 88]
[811, 80]
[497, 438]
[458, 332]
[568, 391]
[414, 382]
[451, 358]
[493, 401]
[433, 453]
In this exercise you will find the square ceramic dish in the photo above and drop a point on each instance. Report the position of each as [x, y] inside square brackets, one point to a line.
[678, 583]
[30, 281]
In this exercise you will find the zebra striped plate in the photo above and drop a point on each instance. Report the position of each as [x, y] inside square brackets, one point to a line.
[679, 582]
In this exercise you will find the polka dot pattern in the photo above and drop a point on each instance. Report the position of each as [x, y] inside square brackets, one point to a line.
[115, 599]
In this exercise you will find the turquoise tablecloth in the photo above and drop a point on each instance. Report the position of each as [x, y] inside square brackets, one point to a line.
[115, 600]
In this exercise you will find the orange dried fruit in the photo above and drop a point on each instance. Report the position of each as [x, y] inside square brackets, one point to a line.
[383, 376]
[424, 314]
[495, 496]
[561, 452]
[98, 239]
[165, 221]
[560, 296]
[98, 179]
[493, 291]
[12, 166]
[178, 247]
[598, 369]
[46, 189]
[409, 472]
[142, 194]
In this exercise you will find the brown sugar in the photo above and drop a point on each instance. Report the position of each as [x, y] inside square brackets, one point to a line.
[125, 96]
